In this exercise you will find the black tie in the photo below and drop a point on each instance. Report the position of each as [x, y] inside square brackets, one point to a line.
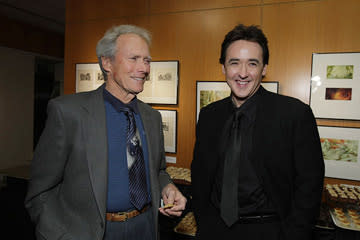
[137, 174]
[229, 192]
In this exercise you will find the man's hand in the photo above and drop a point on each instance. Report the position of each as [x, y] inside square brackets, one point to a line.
[174, 201]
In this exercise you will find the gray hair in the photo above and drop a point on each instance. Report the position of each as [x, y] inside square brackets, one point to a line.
[106, 47]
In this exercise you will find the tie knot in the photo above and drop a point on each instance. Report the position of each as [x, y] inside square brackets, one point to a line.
[237, 115]
[126, 109]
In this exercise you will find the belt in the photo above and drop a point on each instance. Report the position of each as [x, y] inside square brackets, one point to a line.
[266, 218]
[124, 216]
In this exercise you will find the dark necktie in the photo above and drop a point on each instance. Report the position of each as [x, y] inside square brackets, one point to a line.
[229, 192]
[137, 174]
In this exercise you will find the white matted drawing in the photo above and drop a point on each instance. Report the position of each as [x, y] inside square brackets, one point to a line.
[169, 129]
[335, 84]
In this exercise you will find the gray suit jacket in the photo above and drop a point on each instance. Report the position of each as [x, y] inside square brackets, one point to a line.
[67, 191]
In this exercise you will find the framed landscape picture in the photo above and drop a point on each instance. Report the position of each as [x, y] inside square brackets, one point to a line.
[335, 85]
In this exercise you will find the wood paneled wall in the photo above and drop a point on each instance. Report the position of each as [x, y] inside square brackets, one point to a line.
[192, 31]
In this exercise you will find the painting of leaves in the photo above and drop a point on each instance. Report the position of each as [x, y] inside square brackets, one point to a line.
[340, 72]
[209, 96]
[340, 149]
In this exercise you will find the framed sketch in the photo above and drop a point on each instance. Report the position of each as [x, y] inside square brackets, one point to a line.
[335, 85]
[169, 129]
[340, 147]
[88, 77]
[271, 86]
[161, 87]
[211, 91]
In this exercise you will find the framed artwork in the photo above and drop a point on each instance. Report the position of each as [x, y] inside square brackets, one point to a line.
[340, 147]
[88, 77]
[211, 91]
[335, 85]
[271, 86]
[161, 87]
[170, 159]
[169, 129]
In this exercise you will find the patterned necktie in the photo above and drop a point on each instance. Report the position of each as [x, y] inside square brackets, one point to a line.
[137, 174]
[229, 192]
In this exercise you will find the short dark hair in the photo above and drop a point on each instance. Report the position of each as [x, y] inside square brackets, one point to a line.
[249, 33]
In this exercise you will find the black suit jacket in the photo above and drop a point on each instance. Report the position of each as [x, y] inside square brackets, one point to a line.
[286, 155]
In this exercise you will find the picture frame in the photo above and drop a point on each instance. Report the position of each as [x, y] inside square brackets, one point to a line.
[335, 84]
[271, 86]
[170, 159]
[169, 121]
[88, 77]
[161, 87]
[341, 146]
[211, 91]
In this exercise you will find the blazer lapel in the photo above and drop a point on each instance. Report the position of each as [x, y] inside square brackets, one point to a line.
[96, 147]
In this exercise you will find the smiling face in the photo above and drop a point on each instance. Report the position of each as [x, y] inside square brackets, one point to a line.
[129, 68]
[243, 69]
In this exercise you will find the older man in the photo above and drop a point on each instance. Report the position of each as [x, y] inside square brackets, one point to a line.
[99, 166]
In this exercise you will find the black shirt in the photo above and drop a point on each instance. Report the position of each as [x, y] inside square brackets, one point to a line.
[251, 195]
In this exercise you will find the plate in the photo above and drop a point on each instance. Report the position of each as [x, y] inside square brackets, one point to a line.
[187, 225]
[339, 224]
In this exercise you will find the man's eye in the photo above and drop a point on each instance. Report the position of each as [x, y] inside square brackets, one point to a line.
[253, 64]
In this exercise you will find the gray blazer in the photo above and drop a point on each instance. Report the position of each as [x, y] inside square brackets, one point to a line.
[67, 192]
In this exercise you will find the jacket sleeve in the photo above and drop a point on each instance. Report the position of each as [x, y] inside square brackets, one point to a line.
[48, 163]
[308, 177]
[202, 170]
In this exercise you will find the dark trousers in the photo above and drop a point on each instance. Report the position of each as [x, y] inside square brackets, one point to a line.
[255, 231]
[140, 227]
[215, 228]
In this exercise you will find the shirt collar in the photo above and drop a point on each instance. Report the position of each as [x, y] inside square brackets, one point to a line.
[117, 104]
[248, 108]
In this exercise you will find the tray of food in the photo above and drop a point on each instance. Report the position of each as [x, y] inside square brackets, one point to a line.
[344, 205]
[187, 225]
[342, 195]
[179, 175]
[346, 218]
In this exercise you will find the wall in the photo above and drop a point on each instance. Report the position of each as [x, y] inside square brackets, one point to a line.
[16, 107]
[20, 35]
[20, 43]
[192, 31]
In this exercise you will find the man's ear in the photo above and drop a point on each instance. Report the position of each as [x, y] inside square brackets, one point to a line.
[223, 68]
[264, 70]
[106, 63]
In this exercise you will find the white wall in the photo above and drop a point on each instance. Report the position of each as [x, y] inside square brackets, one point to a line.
[16, 107]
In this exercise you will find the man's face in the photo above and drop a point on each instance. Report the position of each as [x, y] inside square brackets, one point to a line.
[129, 68]
[243, 69]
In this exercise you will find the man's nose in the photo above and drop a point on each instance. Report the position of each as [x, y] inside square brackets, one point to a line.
[243, 72]
[143, 66]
